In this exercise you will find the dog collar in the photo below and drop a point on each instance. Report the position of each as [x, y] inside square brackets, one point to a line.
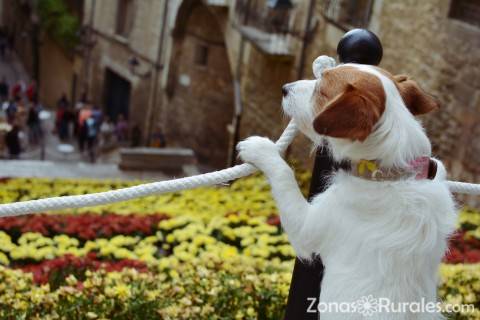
[419, 168]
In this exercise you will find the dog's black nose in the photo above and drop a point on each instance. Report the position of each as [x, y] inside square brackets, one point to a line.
[285, 90]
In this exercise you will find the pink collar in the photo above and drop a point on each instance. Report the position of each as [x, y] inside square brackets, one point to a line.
[420, 168]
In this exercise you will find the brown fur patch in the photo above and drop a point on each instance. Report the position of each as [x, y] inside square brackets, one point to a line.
[349, 102]
[415, 99]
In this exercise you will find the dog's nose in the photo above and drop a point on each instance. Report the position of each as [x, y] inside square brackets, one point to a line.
[285, 90]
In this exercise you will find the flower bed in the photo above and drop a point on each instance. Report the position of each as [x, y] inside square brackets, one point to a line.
[210, 253]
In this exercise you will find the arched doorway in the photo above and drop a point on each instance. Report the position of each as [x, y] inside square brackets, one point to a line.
[200, 89]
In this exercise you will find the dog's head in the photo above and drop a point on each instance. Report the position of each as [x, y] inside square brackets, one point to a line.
[359, 108]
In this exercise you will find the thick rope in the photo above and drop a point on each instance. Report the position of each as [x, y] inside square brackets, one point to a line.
[464, 187]
[207, 179]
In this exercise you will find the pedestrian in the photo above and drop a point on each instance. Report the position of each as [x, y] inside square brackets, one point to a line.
[97, 114]
[12, 141]
[11, 111]
[17, 90]
[91, 129]
[121, 128]
[3, 90]
[31, 91]
[33, 123]
[84, 114]
[107, 129]
[62, 119]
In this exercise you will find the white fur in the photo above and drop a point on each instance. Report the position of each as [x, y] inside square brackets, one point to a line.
[384, 239]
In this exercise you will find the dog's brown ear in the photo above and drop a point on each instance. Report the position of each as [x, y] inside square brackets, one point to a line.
[417, 101]
[352, 114]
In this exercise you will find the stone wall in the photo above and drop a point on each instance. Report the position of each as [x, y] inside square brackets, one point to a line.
[56, 73]
[200, 108]
[443, 55]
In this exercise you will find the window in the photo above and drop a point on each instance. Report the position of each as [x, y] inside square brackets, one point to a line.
[348, 13]
[201, 55]
[124, 17]
[465, 10]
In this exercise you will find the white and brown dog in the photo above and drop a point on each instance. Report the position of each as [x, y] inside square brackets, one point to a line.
[381, 228]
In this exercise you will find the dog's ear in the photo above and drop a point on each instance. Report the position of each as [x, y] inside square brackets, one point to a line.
[417, 101]
[352, 114]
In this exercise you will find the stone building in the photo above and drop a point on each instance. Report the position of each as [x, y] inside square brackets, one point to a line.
[209, 72]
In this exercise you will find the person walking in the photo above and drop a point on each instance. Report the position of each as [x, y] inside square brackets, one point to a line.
[31, 91]
[84, 114]
[91, 130]
[107, 128]
[61, 122]
[121, 129]
[11, 111]
[12, 141]
[33, 123]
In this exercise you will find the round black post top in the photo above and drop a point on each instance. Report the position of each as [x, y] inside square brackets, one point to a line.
[360, 46]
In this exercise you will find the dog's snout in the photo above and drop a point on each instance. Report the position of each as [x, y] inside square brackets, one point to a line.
[285, 89]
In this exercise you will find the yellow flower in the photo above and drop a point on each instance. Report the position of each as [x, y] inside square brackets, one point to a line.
[121, 291]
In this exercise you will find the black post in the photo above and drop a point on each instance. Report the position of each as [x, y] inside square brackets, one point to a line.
[356, 46]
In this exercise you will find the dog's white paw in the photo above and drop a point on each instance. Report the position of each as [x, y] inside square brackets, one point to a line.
[322, 63]
[258, 151]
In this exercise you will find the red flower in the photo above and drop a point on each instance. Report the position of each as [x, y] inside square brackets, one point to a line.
[69, 264]
[84, 226]
[462, 249]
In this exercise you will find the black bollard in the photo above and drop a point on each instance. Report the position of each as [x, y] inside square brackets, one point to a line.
[356, 46]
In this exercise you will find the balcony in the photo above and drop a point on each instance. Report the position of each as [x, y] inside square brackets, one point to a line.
[267, 24]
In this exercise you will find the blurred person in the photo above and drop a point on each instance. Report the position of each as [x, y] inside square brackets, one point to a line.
[31, 91]
[121, 129]
[97, 114]
[33, 123]
[12, 141]
[84, 113]
[91, 130]
[22, 113]
[11, 111]
[76, 113]
[107, 128]
[62, 117]
[18, 89]
[3, 89]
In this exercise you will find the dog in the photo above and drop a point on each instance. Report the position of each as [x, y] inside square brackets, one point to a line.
[381, 228]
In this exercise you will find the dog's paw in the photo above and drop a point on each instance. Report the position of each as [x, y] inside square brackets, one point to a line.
[258, 151]
[322, 63]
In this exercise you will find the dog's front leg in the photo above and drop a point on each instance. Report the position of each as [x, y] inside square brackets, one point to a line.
[293, 207]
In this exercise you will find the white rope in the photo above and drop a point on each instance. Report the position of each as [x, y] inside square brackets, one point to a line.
[464, 187]
[207, 179]
[94, 199]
